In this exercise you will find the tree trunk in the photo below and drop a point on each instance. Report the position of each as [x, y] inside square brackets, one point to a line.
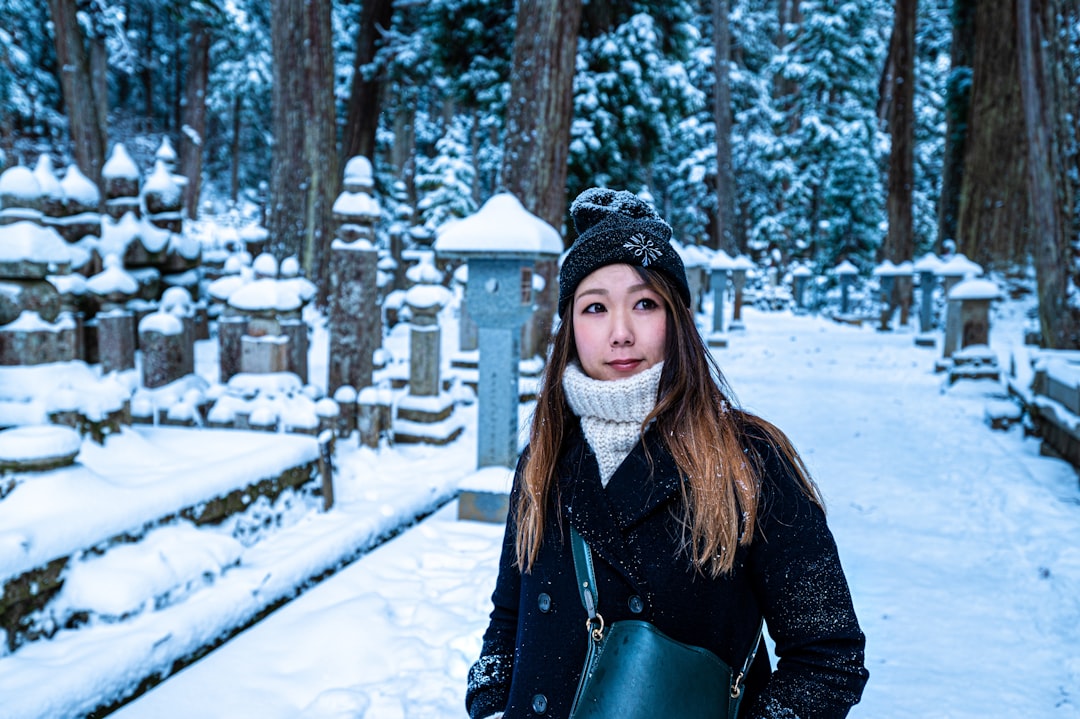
[957, 107]
[304, 181]
[363, 112]
[538, 118]
[900, 241]
[87, 132]
[723, 235]
[1041, 91]
[992, 226]
[193, 129]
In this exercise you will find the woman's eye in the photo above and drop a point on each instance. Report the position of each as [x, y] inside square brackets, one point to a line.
[593, 308]
[647, 304]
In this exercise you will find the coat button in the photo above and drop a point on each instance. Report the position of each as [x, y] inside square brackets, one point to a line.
[637, 606]
[539, 704]
[544, 602]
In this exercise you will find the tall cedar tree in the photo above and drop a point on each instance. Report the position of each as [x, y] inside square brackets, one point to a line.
[85, 110]
[538, 118]
[900, 70]
[194, 112]
[362, 115]
[1044, 96]
[723, 235]
[957, 108]
[304, 181]
[993, 221]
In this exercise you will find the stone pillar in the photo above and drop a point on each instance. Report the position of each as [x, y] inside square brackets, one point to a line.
[296, 330]
[800, 277]
[166, 354]
[738, 281]
[497, 395]
[354, 317]
[927, 280]
[231, 328]
[345, 397]
[718, 280]
[116, 340]
[424, 340]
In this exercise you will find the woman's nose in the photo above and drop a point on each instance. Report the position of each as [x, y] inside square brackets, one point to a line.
[621, 331]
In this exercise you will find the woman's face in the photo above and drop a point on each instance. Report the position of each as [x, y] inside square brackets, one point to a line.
[620, 323]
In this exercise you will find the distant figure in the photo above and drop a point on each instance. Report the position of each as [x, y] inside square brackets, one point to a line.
[700, 517]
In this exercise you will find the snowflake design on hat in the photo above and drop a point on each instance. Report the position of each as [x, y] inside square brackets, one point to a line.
[643, 247]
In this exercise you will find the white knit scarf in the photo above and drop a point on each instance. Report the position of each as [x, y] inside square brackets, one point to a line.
[611, 411]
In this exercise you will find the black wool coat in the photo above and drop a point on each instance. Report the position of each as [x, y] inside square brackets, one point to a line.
[535, 644]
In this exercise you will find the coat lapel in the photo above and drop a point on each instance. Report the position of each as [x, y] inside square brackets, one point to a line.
[604, 516]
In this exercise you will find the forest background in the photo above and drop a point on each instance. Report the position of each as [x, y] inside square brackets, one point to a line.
[812, 130]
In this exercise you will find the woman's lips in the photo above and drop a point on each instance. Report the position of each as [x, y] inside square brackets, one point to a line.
[624, 364]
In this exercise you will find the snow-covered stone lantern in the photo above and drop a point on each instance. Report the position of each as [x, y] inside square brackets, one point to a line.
[967, 351]
[720, 266]
[501, 242]
[800, 278]
[847, 272]
[741, 266]
[886, 274]
[926, 267]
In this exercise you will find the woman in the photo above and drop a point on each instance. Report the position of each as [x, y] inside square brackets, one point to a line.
[701, 517]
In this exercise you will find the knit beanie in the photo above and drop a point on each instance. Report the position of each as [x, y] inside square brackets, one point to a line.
[611, 411]
[617, 227]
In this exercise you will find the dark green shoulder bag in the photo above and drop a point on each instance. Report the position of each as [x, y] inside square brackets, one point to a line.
[635, 671]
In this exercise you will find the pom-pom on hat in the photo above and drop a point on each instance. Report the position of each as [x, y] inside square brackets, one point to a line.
[617, 227]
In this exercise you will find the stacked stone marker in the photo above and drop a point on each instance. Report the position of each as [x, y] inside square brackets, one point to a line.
[115, 323]
[425, 413]
[354, 316]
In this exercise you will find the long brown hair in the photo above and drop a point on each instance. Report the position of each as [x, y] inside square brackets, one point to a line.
[700, 426]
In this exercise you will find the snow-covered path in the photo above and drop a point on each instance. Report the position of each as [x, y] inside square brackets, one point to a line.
[961, 544]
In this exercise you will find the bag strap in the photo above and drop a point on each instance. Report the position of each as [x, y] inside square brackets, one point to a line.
[590, 599]
[586, 582]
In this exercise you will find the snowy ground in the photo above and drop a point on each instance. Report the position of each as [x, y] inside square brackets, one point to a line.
[962, 547]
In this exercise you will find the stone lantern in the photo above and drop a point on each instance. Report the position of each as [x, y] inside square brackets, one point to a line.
[501, 243]
[740, 267]
[800, 278]
[886, 274]
[720, 266]
[967, 339]
[926, 268]
[952, 272]
[696, 262]
[847, 273]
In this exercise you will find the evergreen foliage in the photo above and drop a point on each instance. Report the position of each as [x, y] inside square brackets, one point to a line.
[809, 149]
